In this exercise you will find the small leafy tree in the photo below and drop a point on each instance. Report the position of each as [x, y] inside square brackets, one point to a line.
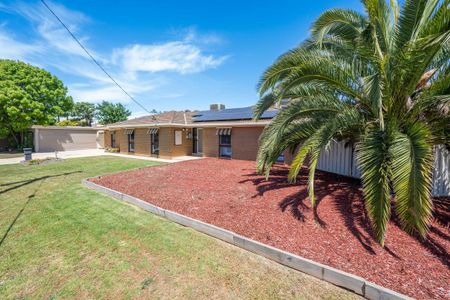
[68, 123]
[380, 80]
[29, 96]
[108, 113]
[84, 111]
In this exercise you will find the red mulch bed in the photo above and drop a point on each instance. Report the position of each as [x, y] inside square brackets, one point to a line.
[229, 194]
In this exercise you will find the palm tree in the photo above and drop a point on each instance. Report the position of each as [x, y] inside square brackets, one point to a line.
[380, 81]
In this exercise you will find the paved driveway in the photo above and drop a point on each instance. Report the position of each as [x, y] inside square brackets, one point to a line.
[90, 152]
[61, 154]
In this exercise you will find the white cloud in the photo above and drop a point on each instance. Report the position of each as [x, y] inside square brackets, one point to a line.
[178, 56]
[137, 114]
[108, 91]
[13, 49]
[191, 34]
[48, 27]
[139, 68]
[97, 93]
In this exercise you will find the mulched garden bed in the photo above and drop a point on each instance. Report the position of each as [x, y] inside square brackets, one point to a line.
[229, 194]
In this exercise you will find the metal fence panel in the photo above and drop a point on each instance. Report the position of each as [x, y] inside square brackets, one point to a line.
[441, 171]
[338, 159]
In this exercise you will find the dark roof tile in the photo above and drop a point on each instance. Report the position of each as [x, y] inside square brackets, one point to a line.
[170, 117]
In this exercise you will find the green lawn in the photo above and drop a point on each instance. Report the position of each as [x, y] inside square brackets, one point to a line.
[61, 240]
[10, 155]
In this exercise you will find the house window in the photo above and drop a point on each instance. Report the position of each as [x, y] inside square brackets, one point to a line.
[131, 142]
[225, 145]
[178, 137]
[281, 158]
[154, 137]
[113, 139]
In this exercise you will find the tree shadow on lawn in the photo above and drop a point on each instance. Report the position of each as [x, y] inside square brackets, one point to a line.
[348, 199]
[23, 183]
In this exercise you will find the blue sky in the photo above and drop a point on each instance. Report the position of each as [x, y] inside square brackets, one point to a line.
[167, 54]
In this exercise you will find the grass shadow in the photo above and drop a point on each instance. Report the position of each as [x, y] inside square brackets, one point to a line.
[26, 182]
[29, 198]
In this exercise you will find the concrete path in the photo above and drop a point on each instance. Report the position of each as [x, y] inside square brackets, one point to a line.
[173, 160]
[91, 152]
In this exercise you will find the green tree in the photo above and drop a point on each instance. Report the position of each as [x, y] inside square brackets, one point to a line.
[29, 96]
[108, 113]
[84, 111]
[380, 80]
[68, 123]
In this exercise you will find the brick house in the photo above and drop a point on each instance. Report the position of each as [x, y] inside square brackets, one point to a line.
[218, 132]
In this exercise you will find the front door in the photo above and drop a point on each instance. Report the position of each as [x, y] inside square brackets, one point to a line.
[197, 140]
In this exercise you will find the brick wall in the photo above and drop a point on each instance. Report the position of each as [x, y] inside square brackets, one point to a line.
[186, 146]
[244, 142]
[141, 141]
[107, 139]
[165, 142]
[118, 140]
[210, 142]
[122, 139]
[167, 147]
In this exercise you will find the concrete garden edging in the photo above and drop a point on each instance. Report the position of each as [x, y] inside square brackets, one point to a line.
[339, 278]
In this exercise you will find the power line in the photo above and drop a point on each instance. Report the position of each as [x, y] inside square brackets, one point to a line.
[93, 59]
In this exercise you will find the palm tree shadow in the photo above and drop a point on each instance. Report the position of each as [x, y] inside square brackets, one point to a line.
[296, 204]
[29, 198]
[346, 196]
[351, 207]
[348, 200]
[441, 215]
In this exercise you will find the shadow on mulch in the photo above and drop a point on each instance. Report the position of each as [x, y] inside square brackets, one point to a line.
[348, 199]
[442, 216]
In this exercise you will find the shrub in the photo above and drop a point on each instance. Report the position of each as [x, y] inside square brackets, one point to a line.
[112, 150]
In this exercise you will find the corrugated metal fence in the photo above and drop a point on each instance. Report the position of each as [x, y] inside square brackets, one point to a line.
[342, 160]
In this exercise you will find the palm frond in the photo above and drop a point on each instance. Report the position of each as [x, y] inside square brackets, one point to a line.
[410, 16]
[293, 124]
[412, 163]
[347, 24]
[317, 141]
[374, 161]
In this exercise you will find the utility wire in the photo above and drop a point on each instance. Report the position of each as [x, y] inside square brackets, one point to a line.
[93, 59]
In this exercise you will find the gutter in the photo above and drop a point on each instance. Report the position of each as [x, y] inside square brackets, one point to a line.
[68, 127]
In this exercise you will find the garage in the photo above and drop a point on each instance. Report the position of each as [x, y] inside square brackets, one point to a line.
[65, 138]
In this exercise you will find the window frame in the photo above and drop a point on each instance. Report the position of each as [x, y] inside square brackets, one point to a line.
[131, 142]
[152, 143]
[113, 139]
[225, 145]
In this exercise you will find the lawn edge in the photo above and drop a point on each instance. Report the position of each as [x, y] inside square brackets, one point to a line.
[329, 274]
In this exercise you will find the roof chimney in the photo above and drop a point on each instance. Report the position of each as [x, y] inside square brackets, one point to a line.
[216, 107]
